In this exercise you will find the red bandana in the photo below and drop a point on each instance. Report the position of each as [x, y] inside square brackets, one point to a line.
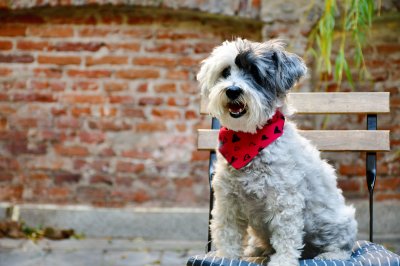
[239, 148]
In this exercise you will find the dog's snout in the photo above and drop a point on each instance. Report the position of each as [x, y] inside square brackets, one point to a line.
[233, 92]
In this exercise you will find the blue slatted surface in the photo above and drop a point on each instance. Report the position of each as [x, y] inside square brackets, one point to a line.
[364, 254]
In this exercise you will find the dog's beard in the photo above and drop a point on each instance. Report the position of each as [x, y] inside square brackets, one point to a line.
[255, 115]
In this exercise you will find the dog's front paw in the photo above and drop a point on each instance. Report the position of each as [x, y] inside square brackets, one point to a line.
[282, 260]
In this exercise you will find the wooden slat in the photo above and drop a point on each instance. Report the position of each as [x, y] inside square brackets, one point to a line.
[325, 140]
[333, 102]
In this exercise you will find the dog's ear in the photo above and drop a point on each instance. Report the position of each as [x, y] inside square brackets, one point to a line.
[289, 69]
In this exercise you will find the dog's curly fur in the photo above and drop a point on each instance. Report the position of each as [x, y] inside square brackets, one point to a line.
[285, 203]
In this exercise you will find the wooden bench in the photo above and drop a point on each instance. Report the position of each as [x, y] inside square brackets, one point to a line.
[370, 140]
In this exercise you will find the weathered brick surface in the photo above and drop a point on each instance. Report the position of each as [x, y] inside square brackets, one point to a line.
[100, 105]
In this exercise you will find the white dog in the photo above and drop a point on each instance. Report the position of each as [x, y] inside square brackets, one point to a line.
[271, 187]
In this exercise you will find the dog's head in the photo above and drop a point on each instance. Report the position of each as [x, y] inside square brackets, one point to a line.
[246, 82]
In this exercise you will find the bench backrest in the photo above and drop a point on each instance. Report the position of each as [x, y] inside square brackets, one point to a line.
[328, 103]
[370, 140]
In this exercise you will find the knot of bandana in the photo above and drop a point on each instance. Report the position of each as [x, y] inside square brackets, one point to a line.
[239, 148]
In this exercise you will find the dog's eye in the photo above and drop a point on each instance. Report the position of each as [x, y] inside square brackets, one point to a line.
[226, 72]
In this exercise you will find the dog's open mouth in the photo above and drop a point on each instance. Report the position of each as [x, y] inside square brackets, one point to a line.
[236, 109]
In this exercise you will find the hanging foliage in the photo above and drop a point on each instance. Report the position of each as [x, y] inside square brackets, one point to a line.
[346, 22]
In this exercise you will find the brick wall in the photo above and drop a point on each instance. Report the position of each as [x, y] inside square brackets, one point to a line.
[99, 104]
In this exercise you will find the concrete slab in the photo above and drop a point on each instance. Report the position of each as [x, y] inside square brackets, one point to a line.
[183, 224]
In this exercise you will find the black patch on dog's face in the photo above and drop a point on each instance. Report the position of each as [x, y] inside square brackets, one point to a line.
[246, 61]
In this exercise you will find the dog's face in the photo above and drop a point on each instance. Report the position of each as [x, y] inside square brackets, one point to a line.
[246, 82]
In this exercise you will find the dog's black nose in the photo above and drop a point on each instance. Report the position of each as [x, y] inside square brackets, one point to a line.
[233, 92]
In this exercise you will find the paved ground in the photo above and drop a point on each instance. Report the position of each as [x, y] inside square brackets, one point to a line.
[97, 252]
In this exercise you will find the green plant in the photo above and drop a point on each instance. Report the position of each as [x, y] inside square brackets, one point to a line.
[346, 22]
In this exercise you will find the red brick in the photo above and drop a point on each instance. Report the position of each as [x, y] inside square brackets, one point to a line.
[139, 33]
[166, 114]
[89, 73]
[350, 185]
[200, 48]
[73, 19]
[33, 97]
[107, 152]
[128, 167]
[57, 111]
[387, 184]
[121, 99]
[155, 61]
[172, 47]
[133, 112]
[116, 86]
[8, 163]
[97, 31]
[150, 127]
[173, 35]
[178, 101]
[81, 111]
[83, 98]
[132, 47]
[387, 196]
[48, 72]
[101, 179]
[181, 127]
[21, 147]
[26, 45]
[200, 155]
[141, 196]
[178, 74]
[5, 72]
[11, 192]
[85, 86]
[189, 61]
[190, 114]
[59, 60]
[92, 137]
[77, 46]
[6, 177]
[388, 48]
[50, 31]
[142, 87]
[7, 110]
[151, 101]
[165, 88]
[68, 122]
[71, 150]
[38, 177]
[19, 18]
[5, 45]
[12, 30]
[107, 60]
[16, 58]
[352, 170]
[136, 154]
[137, 74]
[57, 193]
[109, 125]
[124, 181]
[43, 84]
[92, 193]
[67, 178]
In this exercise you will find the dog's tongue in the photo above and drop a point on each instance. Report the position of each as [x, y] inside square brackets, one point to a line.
[235, 107]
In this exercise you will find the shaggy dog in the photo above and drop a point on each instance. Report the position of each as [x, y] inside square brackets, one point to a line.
[272, 189]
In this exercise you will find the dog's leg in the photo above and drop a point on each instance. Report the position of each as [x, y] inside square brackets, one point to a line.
[228, 227]
[286, 228]
[258, 244]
